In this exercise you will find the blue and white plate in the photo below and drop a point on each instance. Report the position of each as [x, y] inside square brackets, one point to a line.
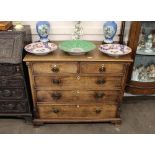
[40, 48]
[115, 50]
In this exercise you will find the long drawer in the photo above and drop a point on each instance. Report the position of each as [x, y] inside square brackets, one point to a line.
[66, 111]
[78, 82]
[101, 67]
[55, 67]
[76, 96]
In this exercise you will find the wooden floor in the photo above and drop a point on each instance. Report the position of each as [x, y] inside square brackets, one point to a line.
[138, 116]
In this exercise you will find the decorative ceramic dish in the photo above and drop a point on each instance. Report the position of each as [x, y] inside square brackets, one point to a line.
[77, 47]
[115, 50]
[40, 48]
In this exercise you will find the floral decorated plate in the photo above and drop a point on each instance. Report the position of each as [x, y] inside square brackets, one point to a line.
[115, 50]
[40, 48]
[77, 47]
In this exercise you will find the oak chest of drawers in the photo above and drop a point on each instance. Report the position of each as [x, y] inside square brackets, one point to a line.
[14, 100]
[87, 88]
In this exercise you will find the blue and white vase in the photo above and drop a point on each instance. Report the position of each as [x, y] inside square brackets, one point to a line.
[43, 29]
[109, 30]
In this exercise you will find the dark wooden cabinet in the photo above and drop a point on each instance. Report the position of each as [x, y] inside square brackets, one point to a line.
[141, 77]
[14, 97]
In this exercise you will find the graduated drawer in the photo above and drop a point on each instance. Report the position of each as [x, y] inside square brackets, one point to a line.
[78, 82]
[67, 111]
[82, 97]
[101, 67]
[54, 67]
[12, 93]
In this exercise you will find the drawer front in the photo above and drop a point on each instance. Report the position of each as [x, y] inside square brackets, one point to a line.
[77, 96]
[10, 94]
[101, 67]
[77, 82]
[76, 111]
[11, 82]
[10, 70]
[14, 107]
[55, 67]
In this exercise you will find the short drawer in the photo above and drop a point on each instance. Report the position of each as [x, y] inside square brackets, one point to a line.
[101, 67]
[78, 82]
[10, 93]
[55, 67]
[81, 97]
[14, 106]
[47, 111]
[11, 82]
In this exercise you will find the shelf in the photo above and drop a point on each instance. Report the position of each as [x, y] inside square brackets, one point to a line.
[142, 52]
[150, 81]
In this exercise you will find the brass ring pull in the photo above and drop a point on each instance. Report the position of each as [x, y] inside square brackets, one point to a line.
[56, 81]
[99, 95]
[55, 110]
[100, 81]
[56, 96]
[98, 111]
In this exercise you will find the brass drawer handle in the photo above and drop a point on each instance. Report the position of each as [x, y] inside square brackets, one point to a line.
[100, 81]
[55, 69]
[99, 95]
[102, 68]
[55, 110]
[98, 111]
[56, 96]
[56, 81]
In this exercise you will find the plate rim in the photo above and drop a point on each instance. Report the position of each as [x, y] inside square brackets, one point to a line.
[110, 54]
[30, 51]
[60, 47]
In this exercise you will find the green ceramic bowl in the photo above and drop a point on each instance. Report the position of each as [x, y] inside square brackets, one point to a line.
[77, 47]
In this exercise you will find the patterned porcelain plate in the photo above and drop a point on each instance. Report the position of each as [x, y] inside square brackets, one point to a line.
[40, 48]
[77, 47]
[115, 50]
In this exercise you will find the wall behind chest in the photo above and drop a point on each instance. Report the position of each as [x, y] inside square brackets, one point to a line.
[62, 30]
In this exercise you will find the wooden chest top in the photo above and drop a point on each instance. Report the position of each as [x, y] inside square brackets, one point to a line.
[95, 55]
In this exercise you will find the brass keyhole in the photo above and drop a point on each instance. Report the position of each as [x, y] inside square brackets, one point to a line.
[78, 77]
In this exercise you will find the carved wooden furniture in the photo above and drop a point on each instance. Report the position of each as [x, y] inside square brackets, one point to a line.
[86, 88]
[14, 99]
[5, 25]
[139, 32]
